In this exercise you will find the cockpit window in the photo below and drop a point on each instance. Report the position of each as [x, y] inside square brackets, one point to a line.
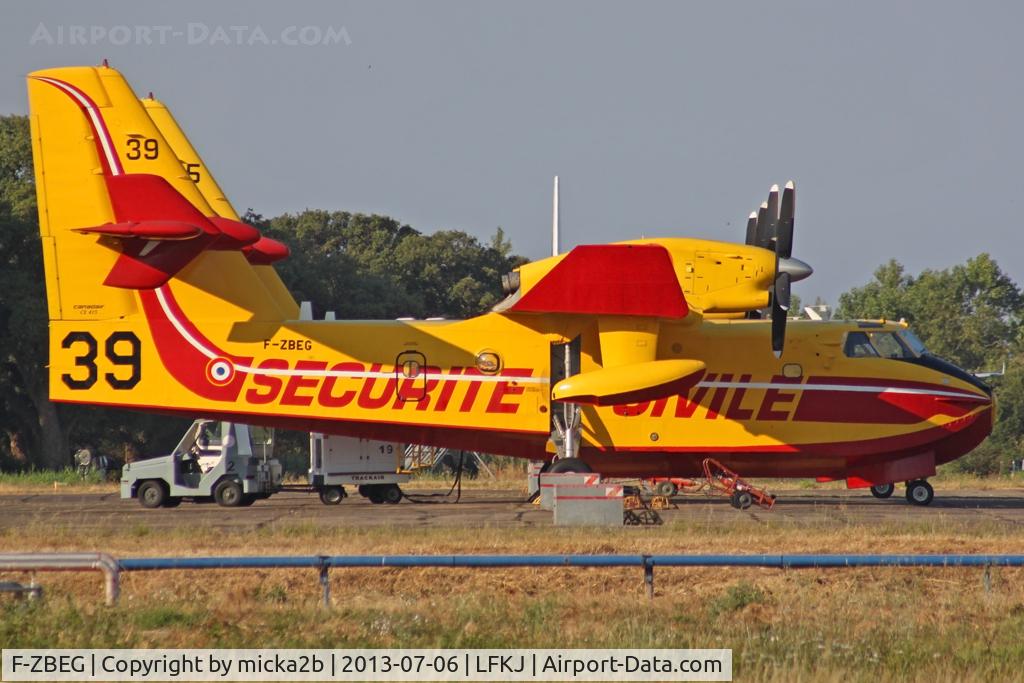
[889, 345]
[859, 346]
[912, 340]
[877, 345]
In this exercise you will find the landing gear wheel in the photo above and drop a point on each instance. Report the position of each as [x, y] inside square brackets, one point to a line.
[883, 490]
[151, 494]
[392, 494]
[569, 465]
[741, 500]
[919, 492]
[666, 488]
[228, 494]
[332, 495]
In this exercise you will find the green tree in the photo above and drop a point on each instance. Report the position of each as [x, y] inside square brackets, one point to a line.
[883, 297]
[969, 314]
[374, 267]
[30, 421]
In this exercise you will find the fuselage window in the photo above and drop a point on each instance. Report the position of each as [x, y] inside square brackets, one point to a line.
[912, 340]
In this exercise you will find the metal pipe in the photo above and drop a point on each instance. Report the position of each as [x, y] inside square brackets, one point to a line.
[483, 561]
[112, 568]
[68, 562]
[271, 562]
[835, 561]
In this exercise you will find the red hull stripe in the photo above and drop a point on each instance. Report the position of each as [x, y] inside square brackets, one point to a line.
[104, 143]
[865, 386]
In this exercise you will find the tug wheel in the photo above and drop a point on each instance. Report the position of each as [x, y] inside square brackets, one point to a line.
[151, 494]
[228, 494]
[883, 490]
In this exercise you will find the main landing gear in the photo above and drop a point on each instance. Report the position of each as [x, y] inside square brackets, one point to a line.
[919, 491]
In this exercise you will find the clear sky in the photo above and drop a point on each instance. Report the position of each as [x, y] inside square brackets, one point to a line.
[899, 121]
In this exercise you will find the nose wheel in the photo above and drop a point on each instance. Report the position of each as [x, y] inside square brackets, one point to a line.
[919, 492]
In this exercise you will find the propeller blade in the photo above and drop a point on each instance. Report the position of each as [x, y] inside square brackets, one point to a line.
[764, 235]
[778, 330]
[784, 234]
[752, 228]
[781, 299]
[773, 205]
[773, 216]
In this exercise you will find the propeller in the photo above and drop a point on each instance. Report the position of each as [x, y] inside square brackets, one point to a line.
[771, 227]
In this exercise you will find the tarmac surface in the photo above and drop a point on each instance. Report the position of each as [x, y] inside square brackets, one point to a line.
[500, 508]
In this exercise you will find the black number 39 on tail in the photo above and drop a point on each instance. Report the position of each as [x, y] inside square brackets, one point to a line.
[122, 349]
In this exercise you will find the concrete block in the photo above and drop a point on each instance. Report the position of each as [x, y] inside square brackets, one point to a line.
[548, 482]
[588, 505]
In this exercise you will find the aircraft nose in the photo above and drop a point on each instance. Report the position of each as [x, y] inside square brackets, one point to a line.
[797, 269]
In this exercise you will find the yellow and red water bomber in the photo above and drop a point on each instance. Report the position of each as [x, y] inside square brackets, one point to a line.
[639, 358]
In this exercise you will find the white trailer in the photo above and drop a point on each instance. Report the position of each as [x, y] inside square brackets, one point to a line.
[374, 467]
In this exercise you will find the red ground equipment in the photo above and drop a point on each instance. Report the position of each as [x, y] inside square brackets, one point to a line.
[723, 481]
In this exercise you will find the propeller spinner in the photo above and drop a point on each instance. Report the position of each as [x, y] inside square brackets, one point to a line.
[771, 227]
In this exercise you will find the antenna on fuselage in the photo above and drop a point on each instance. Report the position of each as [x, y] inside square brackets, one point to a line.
[554, 221]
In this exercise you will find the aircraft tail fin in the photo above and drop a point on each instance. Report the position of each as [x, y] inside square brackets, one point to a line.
[260, 254]
[119, 212]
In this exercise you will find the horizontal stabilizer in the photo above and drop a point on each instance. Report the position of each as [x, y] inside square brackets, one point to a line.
[145, 197]
[146, 262]
[630, 383]
[265, 251]
[234, 234]
[149, 230]
[610, 279]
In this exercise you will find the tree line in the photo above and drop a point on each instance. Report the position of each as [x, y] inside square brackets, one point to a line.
[375, 267]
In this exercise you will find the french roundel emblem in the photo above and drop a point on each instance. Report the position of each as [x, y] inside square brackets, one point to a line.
[220, 371]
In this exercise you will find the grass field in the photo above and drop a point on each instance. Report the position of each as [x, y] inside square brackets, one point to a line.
[783, 625]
